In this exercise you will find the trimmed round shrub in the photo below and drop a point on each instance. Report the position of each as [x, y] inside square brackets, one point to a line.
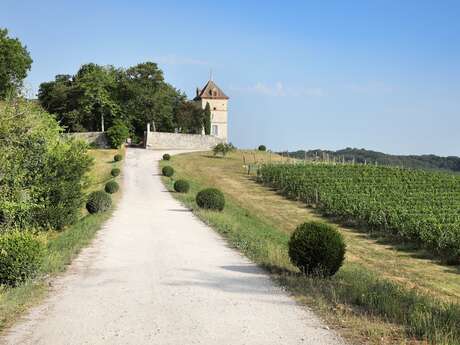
[111, 187]
[118, 157]
[167, 171]
[98, 201]
[317, 249]
[115, 172]
[166, 157]
[211, 199]
[21, 254]
[181, 186]
[262, 148]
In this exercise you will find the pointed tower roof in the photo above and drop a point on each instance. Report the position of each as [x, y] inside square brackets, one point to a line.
[210, 91]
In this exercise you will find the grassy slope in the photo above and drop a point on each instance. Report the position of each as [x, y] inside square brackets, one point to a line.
[62, 246]
[258, 222]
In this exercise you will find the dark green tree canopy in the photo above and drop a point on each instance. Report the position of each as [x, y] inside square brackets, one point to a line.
[135, 96]
[15, 62]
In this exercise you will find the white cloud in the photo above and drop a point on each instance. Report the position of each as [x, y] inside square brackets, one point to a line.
[177, 60]
[278, 89]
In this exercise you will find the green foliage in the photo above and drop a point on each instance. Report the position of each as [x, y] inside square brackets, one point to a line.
[136, 96]
[189, 117]
[117, 134]
[15, 61]
[262, 148]
[211, 198]
[167, 171]
[317, 248]
[166, 157]
[115, 172]
[98, 201]
[207, 119]
[181, 186]
[21, 254]
[416, 205]
[42, 173]
[111, 187]
[223, 149]
[118, 157]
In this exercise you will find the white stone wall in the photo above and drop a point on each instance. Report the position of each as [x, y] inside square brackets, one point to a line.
[96, 139]
[178, 141]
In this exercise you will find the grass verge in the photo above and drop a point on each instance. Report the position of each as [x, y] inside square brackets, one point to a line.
[362, 301]
[62, 246]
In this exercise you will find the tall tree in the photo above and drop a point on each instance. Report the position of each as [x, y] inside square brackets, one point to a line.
[15, 61]
[207, 119]
[190, 118]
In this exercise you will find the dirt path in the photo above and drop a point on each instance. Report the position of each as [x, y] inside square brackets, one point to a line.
[157, 275]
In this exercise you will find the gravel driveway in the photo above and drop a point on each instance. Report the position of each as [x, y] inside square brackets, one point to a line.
[155, 274]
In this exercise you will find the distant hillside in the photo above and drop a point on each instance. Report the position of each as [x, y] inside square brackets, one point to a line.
[430, 162]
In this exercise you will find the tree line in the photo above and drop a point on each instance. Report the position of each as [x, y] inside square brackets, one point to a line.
[98, 97]
[362, 156]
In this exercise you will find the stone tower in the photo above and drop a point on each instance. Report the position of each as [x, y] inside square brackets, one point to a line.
[218, 101]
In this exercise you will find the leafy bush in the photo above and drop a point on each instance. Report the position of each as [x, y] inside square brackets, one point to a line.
[43, 173]
[262, 148]
[112, 187]
[167, 171]
[21, 254]
[117, 134]
[211, 198]
[115, 172]
[181, 186]
[317, 248]
[223, 149]
[98, 201]
[118, 157]
[166, 157]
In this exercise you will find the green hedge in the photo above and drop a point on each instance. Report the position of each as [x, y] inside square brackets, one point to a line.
[211, 198]
[21, 254]
[317, 248]
[98, 201]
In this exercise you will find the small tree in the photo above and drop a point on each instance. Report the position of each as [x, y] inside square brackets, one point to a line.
[223, 149]
[207, 119]
[117, 134]
[15, 61]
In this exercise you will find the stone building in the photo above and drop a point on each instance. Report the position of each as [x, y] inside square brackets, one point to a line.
[218, 101]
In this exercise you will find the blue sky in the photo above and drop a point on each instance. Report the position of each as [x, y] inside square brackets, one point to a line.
[382, 75]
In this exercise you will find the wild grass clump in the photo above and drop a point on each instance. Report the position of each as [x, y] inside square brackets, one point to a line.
[166, 157]
[115, 172]
[21, 254]
[211, 199]
[223, 149]
[117, 157]
[111, 187]
[167, 171]
[98, 201]
[181, 186]
[317, 249]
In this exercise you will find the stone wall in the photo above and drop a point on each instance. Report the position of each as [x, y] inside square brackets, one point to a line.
[95, 139]
[177, 141]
